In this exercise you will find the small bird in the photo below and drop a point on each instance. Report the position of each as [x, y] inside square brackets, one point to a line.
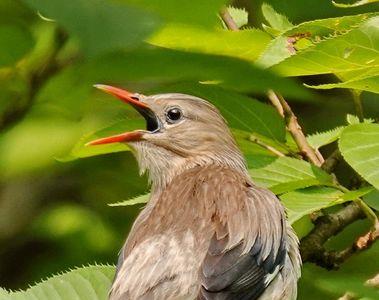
[207, 232]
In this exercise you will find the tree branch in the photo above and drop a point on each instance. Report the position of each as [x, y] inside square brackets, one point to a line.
[36, 78]
[312, 246]
[332, 161]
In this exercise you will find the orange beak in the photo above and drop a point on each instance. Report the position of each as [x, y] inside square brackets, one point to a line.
[141, 107]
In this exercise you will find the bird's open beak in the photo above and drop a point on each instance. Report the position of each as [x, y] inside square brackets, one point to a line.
[152, 122]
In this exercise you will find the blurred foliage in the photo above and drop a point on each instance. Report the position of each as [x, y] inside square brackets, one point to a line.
[54, 191]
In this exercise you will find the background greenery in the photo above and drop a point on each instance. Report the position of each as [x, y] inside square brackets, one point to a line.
[54, 192]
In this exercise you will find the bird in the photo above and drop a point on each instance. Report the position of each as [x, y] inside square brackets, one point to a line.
[207, 232]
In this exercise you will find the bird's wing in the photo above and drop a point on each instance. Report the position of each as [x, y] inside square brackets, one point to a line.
[249, 245]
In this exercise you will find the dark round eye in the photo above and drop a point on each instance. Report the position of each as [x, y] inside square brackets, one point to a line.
[173, 115]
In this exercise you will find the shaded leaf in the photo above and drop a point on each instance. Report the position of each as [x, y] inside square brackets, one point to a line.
[133, 201]
[372, 199]
[195, 12]
[167, 66]
[15, 43]
[91, 283]
[359, 145]
[303, 202]
[100, 25]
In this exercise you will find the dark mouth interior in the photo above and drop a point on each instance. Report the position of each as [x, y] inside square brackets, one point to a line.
[152, 121]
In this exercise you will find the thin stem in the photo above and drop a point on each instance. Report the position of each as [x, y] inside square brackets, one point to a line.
[358, 104]
[295, 129]
[267, 147]
[228, 20]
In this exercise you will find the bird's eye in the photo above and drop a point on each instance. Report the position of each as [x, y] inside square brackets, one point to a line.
[173, 115]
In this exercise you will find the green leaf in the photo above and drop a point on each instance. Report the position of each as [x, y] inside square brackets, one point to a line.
[15, 43]
[80, 150]
[276, 20]
[359, 145]
[355, 4]
[90, 283]
[133, 201]
[356, 48]
[311, 34]
[195, 12]
[353, 195]
[284, 174]
[352, 119]
[239, 15]
[100, 25]
[303, 202]
[320, 139]
[245, 44]
[167, 66]
[362, 82]
[372, 199]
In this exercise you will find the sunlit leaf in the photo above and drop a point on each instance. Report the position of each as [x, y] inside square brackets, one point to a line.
[239, 15]
[354, 4]
[303, 202]
[284, 174]
[353, 195]
[315, 35]
[276, 20]
[319, 139]
[246, 44]
[362, 82]
[356, 48]
[92, 282]
[359, 145]
[133, 201]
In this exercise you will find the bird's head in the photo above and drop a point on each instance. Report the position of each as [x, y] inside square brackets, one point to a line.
[182, 131]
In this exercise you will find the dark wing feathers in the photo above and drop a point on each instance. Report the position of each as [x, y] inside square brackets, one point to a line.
[231, 273]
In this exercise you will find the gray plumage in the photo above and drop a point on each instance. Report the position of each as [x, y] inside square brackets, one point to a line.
[207, 232]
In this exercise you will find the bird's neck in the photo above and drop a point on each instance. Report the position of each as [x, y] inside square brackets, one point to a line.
[163, 165]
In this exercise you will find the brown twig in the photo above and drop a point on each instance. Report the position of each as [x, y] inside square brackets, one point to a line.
[228, 20]
[267, 147]
[295, 129]
[275, 102]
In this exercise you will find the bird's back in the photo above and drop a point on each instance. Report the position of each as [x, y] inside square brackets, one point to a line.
[210, 234]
